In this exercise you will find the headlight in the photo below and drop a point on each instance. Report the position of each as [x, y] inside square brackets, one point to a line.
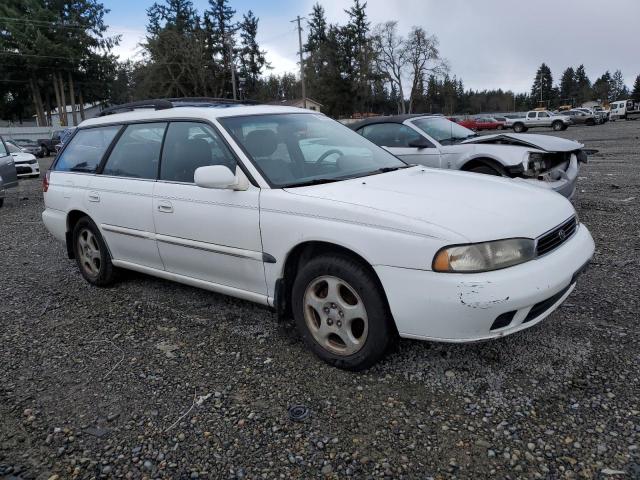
[483, 257]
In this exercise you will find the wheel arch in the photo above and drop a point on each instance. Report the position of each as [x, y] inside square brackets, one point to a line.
[72, 219]
[484, 161]
[302, 252]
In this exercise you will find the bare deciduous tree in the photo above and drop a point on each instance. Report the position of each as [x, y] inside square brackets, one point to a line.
[390, 59]
[412, 59]
[423, 57]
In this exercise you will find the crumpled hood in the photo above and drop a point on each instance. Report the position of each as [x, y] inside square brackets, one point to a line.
[542, 142]
[430, 201]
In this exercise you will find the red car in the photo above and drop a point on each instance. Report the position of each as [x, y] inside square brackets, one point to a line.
[479, 123]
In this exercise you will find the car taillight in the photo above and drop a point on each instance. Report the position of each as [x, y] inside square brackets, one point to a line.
[45, 182]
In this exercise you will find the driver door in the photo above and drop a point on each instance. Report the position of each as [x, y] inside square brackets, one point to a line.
[396, 138]
[205, 233]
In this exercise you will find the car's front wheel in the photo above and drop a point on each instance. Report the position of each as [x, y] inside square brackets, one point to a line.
[557, 126]
[341, 312]
[519, 128]
[91, 253]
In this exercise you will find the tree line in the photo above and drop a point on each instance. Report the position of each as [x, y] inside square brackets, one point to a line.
[56, 53]
[575, 87]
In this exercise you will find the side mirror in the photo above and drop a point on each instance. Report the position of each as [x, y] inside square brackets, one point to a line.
[220, 177]
[420, 143]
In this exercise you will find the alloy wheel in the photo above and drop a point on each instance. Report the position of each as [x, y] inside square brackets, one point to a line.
[89, 252]
[335, 315]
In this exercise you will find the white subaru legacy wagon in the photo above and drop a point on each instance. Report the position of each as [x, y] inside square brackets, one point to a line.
[290, 209]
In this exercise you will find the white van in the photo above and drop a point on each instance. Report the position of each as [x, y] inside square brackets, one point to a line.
[627, 109]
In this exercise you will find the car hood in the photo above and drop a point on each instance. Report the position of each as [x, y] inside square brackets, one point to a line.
[447, 204]
[542, 142]
[22, 157]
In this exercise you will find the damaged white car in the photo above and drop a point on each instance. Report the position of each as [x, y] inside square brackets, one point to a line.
[434, 141]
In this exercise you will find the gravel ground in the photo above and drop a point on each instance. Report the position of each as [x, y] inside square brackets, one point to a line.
[151, 379]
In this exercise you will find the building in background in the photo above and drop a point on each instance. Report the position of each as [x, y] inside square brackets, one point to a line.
[307, 103]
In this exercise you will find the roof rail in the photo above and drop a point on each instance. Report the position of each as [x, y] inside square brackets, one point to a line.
[166, 103]
[212, 101]
[156, 104]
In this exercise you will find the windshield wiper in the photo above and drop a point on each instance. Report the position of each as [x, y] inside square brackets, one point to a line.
[315, 181]
[388, 169]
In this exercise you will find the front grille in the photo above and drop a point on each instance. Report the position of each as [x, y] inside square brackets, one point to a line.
[541, 307]
[556, 237]
[21, 170]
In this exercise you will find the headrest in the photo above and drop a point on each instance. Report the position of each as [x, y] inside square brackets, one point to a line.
[261, 143]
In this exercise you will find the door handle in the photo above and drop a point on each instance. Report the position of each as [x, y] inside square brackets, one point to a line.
[165, 207]
[94, 197]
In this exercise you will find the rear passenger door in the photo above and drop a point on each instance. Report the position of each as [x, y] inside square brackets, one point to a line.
[204, 233]
[119, 198]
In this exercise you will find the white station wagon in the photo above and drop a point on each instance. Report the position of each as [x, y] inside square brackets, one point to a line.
[290, 209]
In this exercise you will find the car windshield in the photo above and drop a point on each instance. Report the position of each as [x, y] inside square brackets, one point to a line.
[298, 149]
[13, 148]
[443, 130]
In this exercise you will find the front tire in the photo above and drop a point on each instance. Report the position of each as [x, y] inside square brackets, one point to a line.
[91, 254]
[341, 312]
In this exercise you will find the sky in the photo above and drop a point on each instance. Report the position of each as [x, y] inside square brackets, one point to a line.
[488, 44]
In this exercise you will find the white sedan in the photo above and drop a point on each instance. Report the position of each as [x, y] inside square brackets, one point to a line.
[288, 208]
[434, 141]
[26, 163]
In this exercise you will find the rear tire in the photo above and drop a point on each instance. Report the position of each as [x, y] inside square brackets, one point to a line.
[341, 312]
[91, 254]
[519, 128]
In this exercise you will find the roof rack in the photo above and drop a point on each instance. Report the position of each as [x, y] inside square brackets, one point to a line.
[166, 103]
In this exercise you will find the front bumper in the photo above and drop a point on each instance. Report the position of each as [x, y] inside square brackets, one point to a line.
[561, 179]
[26, 169]
[450, 307]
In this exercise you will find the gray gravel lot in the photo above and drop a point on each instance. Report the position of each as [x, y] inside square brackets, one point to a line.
[151, 379]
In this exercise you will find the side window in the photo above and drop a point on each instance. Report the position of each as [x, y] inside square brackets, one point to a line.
[389, 134]
[531, 115]
[543, 115]
[137, 153]
[3, 150]
[190, 145]
[86, 149]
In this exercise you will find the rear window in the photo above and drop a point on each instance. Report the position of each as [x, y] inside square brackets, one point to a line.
[86, 149]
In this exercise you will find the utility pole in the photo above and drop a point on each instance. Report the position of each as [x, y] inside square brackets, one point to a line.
[304, 90]
[232, 67]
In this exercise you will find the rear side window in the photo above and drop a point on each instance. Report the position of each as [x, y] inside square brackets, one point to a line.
[137, 153]
[191, 145]
[531, 115]
[86, 149]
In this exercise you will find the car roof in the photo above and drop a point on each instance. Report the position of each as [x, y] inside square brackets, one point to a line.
[196, 113]
[390, 119]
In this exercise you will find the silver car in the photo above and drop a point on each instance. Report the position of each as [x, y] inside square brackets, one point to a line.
[8, 174]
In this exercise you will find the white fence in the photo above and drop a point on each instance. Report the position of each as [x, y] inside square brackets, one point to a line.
[29, 133]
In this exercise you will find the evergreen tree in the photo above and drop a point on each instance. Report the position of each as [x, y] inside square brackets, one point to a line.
[618, 89]
[583, 86]
[358, 52]
[220, 28]
[252, 59]
[635, 94]
[602, 88]
[568, 86]
[178, 15]
[542, 89]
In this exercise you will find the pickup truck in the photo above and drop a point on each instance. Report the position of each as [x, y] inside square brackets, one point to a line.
[541, 118]
[48, 145]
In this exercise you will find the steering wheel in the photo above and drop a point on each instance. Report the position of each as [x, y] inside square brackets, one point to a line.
[328, 153]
